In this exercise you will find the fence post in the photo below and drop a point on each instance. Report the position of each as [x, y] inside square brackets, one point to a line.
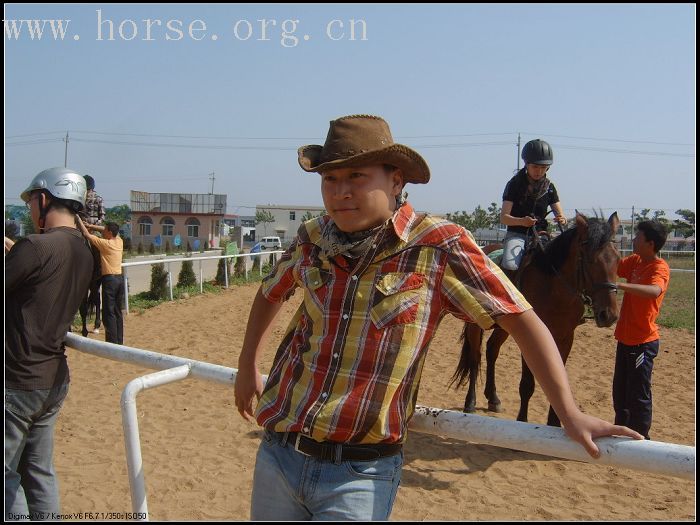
[170, 282]
[201, 278]
[126, 291]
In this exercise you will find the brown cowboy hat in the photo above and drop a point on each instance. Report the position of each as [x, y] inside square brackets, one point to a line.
[361, 140]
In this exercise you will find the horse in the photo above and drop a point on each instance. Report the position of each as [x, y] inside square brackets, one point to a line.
[577, 268]
[90, 305]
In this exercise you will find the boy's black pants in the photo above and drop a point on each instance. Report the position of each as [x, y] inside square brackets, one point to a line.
[631, 387]
[112, 301]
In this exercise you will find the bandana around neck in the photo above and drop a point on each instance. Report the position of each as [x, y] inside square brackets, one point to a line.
[355, 245]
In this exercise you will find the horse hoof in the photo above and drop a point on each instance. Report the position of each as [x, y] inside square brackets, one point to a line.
[85, 332]
[495, 407]
[470, 409]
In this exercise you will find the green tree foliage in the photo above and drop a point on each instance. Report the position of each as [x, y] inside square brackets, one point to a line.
[159, 282]
[167, 247]
[120, 214]
[186, 277]
[152, 249]
[686, 225]
[263, 217]
[139, 249]
[220, 276]
[308, 216]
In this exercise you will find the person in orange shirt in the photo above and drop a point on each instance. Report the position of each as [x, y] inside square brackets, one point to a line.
[637, 333]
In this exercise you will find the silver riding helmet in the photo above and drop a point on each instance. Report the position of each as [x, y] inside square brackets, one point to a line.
[62, 184]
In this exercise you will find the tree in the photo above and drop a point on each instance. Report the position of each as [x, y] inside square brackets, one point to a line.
[494, 213]
[462, 218]
[120, 214]
[186, 277]
[686, 225]
[308, 216]
[263, 216]
[159, 282]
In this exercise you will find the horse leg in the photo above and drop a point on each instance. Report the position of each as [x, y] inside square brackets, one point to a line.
[83, 309]
[564, 350]
[493, 348]
[473, 340]
[527, 388]
[95, 296]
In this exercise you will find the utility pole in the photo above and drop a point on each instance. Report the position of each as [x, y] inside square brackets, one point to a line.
[632, 232]
[518, 160]
[65, 158]
[211, 176]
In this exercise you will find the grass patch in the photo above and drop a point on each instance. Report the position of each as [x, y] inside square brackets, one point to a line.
[678, 308]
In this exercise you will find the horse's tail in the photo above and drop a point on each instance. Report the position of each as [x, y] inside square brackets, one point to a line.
[470, 358]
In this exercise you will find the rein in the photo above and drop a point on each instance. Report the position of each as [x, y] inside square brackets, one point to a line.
[582, 277]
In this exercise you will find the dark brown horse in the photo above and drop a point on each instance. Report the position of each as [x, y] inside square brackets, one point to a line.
[579, 267]
[90, 304]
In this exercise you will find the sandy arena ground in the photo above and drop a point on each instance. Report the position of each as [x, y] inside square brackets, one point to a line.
[199, 453]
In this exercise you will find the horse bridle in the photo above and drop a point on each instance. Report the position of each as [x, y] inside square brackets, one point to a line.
[582, 275]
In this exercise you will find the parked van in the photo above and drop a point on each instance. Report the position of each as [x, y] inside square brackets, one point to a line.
[270, 243]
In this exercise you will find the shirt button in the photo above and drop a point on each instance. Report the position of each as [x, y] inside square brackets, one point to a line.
[306, 429]
[324, 395]
[315, 282]
[345, 316]
[354, 277]
[335, 356]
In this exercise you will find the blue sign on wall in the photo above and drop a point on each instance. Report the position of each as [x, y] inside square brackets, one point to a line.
[157, 240]
[178, 240]
[196, 244]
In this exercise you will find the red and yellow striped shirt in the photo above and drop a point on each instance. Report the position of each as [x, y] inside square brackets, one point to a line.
[349, 365]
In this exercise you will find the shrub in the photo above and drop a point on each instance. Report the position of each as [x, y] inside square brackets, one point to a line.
[167, 247]
[139, 249]
[186, 276]
[159, 282]
[152, 249]
[220, 276]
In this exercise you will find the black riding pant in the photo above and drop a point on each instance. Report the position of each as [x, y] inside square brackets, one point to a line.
[112, 301]
[631, 387]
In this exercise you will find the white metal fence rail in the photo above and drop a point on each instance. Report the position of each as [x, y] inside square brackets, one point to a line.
[648, 456]
[167, 262]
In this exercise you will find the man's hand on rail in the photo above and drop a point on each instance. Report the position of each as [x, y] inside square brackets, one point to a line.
[249, 384]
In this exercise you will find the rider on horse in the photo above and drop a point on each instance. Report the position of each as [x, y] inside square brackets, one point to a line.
[525, 201]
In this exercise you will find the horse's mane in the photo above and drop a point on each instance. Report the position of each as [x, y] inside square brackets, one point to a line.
[556, 252]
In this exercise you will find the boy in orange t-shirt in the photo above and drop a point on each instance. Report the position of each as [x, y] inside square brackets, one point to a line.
[636, 332]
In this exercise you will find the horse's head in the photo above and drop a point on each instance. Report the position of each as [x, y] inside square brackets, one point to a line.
[597, 265]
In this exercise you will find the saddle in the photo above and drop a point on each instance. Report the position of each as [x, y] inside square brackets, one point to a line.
[535, 244]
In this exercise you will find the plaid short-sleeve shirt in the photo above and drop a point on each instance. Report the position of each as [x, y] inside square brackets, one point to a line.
[349, 365]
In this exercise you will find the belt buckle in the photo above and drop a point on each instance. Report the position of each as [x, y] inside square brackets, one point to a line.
[296, 445]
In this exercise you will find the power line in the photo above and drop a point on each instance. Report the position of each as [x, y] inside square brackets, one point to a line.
[213, 137]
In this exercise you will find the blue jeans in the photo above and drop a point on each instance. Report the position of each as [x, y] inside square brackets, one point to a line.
[31, 486]
[631, 387]
[513, 250]
[289, 486]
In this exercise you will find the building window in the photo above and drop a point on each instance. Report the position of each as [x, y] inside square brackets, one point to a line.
[192, 227]
[168, 225]
[145, 226]
[292, 215]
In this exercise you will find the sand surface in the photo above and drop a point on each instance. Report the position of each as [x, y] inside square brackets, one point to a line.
[198, 453]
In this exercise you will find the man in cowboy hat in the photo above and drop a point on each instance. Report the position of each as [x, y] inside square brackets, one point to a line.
[377, 278]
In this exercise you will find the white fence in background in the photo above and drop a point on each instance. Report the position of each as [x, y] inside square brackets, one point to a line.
[648, 456]
[248, 257]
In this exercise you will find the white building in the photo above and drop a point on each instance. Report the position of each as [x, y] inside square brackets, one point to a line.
[287, 220]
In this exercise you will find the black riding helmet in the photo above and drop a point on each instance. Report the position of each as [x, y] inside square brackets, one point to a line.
[538, 152]
[90, 182]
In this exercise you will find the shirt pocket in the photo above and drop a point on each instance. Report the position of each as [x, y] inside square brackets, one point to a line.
[314, 281]
[400, 296]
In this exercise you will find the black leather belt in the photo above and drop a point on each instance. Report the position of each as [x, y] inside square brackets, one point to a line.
[329, 451]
